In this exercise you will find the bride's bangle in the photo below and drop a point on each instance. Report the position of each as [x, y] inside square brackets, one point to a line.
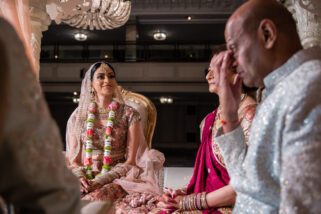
[78, 172]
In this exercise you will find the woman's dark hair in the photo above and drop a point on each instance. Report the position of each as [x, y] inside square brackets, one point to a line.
[97, 65]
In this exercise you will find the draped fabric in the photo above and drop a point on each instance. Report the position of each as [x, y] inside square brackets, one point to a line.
[34, 177]
[16, 12]
[208, 175]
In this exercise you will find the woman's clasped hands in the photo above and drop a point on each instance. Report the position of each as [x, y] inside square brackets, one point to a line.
[171, 198]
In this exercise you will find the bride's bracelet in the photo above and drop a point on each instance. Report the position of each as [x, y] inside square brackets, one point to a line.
[117, 171]
[78, 172]
[193, 202]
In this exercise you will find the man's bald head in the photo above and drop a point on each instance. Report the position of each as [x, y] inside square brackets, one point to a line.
[251, 13]
[262, 35]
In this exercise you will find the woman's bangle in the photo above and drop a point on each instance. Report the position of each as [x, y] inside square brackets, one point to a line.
[193, 202]
[203, 201]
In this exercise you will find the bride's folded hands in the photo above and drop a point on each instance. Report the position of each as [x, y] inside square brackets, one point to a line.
[87, 186]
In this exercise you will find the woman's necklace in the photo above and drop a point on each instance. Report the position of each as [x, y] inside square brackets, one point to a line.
[88, 162]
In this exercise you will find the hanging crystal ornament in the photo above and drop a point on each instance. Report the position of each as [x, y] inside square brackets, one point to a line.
[92, 14]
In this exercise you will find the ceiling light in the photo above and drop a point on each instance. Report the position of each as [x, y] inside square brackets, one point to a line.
[75, 93]
[189, 18]
[56, 56]
[80, 37]
[106, 56]
[160, 36]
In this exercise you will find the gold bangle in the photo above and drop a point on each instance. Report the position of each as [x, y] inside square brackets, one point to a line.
[204, 204]
[198, 201]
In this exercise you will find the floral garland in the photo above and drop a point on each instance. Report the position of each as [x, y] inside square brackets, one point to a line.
[88, 162]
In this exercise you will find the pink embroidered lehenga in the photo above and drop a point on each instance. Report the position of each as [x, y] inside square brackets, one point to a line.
[210, 173]
[135, 182]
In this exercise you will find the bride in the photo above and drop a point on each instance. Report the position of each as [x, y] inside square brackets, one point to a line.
[106, 148]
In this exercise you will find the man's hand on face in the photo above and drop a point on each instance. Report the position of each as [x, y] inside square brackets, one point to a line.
[229, 91]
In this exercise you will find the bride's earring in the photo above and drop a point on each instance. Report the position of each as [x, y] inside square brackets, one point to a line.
[92, 94]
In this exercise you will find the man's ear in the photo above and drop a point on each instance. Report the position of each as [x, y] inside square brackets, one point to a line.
[267, 32]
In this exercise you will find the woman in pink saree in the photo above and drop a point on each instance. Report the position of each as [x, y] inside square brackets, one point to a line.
[208, 190]
[106, 148]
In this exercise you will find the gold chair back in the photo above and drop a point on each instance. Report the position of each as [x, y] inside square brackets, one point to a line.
[145, 107]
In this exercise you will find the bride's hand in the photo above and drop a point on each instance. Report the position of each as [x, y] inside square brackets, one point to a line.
[84, 185]
[94, 185]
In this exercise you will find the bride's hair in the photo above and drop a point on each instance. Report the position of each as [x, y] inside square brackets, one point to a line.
[97, 65]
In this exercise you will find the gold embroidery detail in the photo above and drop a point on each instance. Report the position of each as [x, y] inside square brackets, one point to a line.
[216, 150]
[225, 210]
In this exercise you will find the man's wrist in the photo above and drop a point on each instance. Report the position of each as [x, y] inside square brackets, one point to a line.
[229, 126]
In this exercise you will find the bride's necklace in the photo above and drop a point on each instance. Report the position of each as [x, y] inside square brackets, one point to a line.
[103, 113]
[88, 162]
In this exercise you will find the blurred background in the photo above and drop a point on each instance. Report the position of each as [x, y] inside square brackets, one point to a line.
[162, 52]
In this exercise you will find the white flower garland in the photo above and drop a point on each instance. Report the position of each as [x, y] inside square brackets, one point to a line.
[88, 162]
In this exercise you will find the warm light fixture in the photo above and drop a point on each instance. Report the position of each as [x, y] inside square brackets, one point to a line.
[159, 36]
[165, 100]
[189, 18]
[75, 100]
[80, 37]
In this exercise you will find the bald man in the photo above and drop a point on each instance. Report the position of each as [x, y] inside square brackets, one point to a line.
[280, 170]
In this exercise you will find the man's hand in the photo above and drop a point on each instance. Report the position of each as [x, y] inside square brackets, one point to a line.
[229, 92]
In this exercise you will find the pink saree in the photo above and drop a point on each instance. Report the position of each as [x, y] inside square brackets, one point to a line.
[208, 174]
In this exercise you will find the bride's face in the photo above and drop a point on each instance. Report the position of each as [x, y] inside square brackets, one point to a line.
[104, 82]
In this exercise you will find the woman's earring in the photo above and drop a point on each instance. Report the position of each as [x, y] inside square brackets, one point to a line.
[92, 94]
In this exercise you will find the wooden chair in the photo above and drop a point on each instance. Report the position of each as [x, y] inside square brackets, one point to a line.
[146, 109]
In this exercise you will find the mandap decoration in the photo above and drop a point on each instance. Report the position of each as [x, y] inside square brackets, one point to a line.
[307, 14]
